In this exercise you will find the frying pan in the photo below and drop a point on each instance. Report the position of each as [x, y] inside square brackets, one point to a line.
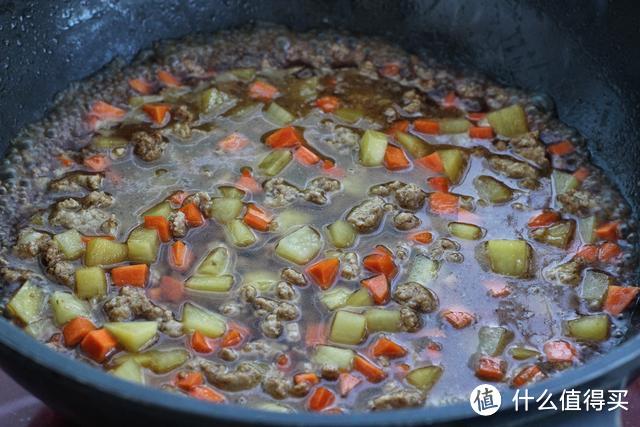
[583, 54]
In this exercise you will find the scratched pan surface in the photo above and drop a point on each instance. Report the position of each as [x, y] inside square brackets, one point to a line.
[583, 54]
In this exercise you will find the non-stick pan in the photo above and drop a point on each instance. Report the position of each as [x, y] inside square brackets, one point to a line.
[583, 54]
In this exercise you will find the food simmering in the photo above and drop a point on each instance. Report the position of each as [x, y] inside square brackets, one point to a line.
[312, 222]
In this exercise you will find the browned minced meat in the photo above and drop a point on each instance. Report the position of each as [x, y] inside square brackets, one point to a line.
[30, 243]
[148, 145]
[279, 193]
[16, 275]
[245, 376]
[350, 268]
[405, 221]
[367, 216]
[512, 168]
[411, 321]
[568, 273]
[86, 215]
[398, 399]
[416, 296]
[344, 139]
[285, 291]
[442, 247]
[280, 387]
[76, 181]
[178, 224]
[290, 275]
[132, 303]
[202, 200]
[55, 265]
[577, 202]
[183, 117]
[317, 189]
[407, 196]
[528, 146]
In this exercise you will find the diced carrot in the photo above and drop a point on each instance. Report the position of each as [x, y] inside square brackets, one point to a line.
[581, 174]
[320, 399]
[200, 343]
[390, 69]
[449, 100]
[469, 217]
[497, 288]
[232, 338]
[141, 86]
[305, 156]
[75, 330]
[168, 79]
[257, 218]
[433, 351]
[203, 392]
[527, 375]
[439, 183]
[619, 298]
[330, 168]
[395, 159]
[180, 256]
[171, 289]
[608, 251]
[423, 237]
[476, 117]
[154, 294]
[328, 103]
[372, 372]
[398, 126]
[432, 162]
[443, 203]
[188, 380]
[383, 250]
[178, 197]
[544, 218]
[97, 162]
[458, 319]
[134, 275]
[379, 288]
[103, 111]
[481, 132]
[306, 377]
[589, 253]
[156, 112]
[316, 334]
[561, 148]
[490, 368]
[381, 264]
[248, 183]
[324, 272]
[87, 239]
[385, 347]
[347, 382]
[608, 231]
[65, 160]
[401, 370]
[97, 344]
[262, 90]
[559, 351]
[284, 138]
[233, 142]
[430, 127]
[160, 224]
[193, 214]
[283, 361]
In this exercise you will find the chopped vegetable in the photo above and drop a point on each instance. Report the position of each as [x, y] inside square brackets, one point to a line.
[102, 142]
[189, 380]
[324, 272]
[300, 246]
[608, 251]
[481, 132]
[70, 243]
[490, 368]
[619, 298]
[335, 298]
[527, 375]
[510, 121]
[509, 257]
[161, 209]
[415, 146]
[157, 112]
[422, 237]
[348, 115]
[559, 234]
[275, 162]
[443, 203]
[594, 288]
[492, 190]
[586, 229]
[240, 234]
[379, 288]
[160, 224]
[142, 86]
[385, 347]
[278, 115]
[382, 320]
[465, 231]
[373, 146]
[328, 104]
[380, 262]
[202, 392]
[133, 336]
[210, 283]
[200, 343]
[559, 351]
[97, 344]
[135, 275]
[347, 382]
[342, 234]
[193, 215]
[360, 298]
[608, 231]
[493, 340]
[216, 262]
[452, 126]
[75, 331]
[424, 377]
[142, 245]
[563, 182]
[90, 282]
[561, 148]
[430, 127]
[454, 163]
[589, 328]
[305, 156]
[432, 162]
[225, 209]
[423, 270]
[544, 218]
[348, 328]
[284, 138]
[372, 372]
[257, 218]
[395, 159]
[204, 321]
[341, 358]
[66, 307]
[320, 399]
[102, 251]
[523, 353]
[233, 142]
[27, 303]
[168, 79]
[262, 90]
[458, 319]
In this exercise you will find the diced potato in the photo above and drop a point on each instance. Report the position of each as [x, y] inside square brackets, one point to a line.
[240, 234]
[66, 306]
[278, 115]
[586, 228]
[336, 297]
[104, 252]
[225, 209]
[158, 361]
[27, 303]
[70, 243]
[341, 358]
[373, 146]
[161, 209]
[273, 407]
[103, 142]
[465, 231]
[451, 126]
[492, 340]
[523, 353]
[589, 328]
[246, 74]
[454, 162]
[348, 115]
[342, 234]
[414, 145]
[381, 320]
[558, 235]
[133, 336]
[231, 192]
[129, 371]
[509, 257]
[41, 329]
[291, 218]
[262, 280]
[423, 270]
[425, 377]
[348, 328]
[492, 190]
[275, 162]
[138, 101]
[201, 282]
[510, 121]
[594, 288]
[563, 182]
[216, 262]
[360, 298]
[206, 322]
[211, 99]
[143, 244]
[301, 246]
[90, 282]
